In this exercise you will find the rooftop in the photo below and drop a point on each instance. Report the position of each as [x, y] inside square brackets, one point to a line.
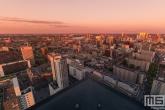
[129, 69]
[89, 94]
[54, 55]
[77, 65]
[34, 71]
[9, 94]
[54, 85]
[41, 94]
[23, 81]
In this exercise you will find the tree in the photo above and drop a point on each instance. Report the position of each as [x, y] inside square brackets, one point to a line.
[38, 62]
[162, 65]
[132, 66]
[125, 63]
[138, 67]
[74, 57]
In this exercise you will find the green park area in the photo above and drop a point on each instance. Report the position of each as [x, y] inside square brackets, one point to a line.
[131, 66]
[151, 74]
[1, 93]
[9, 76]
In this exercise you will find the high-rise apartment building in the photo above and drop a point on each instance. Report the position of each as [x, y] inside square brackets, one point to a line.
[59, 69]
[27, 53]
[10, 100]
[143, 65]
[13, 67]
[76, 69]
[158, 87]
[127, 74]
[145, 55]
[24, 94]
[17, 97]
[146, 46]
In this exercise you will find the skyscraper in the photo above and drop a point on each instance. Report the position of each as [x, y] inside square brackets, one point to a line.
[18, 96]
[59, 69]
[78, 48]
[122, 34]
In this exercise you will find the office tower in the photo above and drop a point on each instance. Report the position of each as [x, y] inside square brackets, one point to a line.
[122, 35]
[142, 35]
[59, 69]
[44, 51]
[27, 53]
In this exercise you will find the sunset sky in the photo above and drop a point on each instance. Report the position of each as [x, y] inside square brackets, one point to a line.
[82, 16]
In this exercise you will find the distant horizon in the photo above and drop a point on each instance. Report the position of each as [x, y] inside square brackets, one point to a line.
[75, 33]
[74, 16]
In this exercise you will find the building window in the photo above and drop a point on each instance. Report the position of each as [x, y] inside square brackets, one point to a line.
[74, 72]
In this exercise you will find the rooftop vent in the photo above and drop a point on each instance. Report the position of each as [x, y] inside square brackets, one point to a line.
[99, 106]
[77, 106]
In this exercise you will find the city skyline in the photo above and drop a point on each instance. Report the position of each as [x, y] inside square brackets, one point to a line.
[82, 16]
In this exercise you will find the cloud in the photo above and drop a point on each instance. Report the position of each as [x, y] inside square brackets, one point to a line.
[41, 23]
[29, 21]
[65, 26]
